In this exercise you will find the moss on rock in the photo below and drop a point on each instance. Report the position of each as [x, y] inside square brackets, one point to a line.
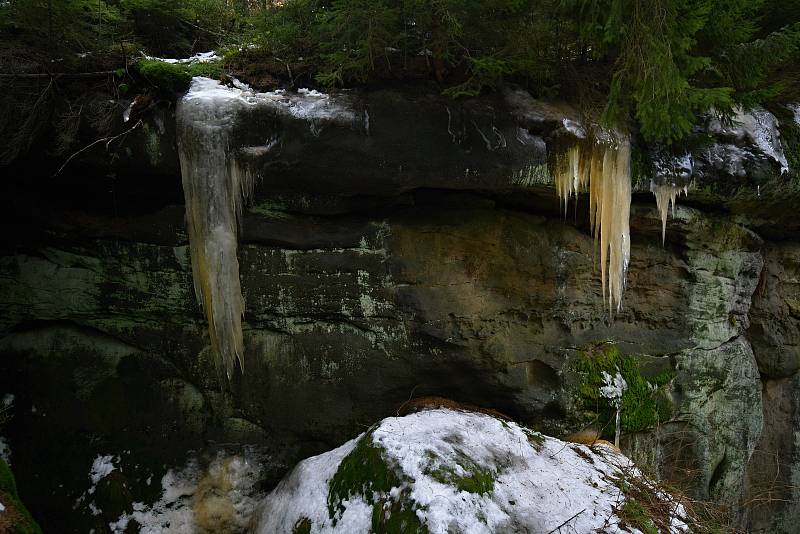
[644, 403]
[175, 77]
[15, 518]
[471, 477]
[365, 473]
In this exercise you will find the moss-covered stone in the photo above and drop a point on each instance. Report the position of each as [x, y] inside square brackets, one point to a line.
[365, 473]
[175, 77]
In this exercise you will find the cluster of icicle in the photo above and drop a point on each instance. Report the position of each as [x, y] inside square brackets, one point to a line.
[215, 188]
[666, 195]
[603, 168]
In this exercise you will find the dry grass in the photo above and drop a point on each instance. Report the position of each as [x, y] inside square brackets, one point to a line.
[432, 403]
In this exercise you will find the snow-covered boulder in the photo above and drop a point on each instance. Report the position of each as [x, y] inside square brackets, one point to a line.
[446, 471]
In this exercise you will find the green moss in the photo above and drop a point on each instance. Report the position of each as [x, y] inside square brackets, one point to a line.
[394, 517]
[476, 480]
[7, 483]
[644, 403]
[173, 77]
[633, 514]
[534, 438]
[366, 473]
[10, 497]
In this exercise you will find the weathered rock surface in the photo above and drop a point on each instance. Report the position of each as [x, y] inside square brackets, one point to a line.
[419, 251]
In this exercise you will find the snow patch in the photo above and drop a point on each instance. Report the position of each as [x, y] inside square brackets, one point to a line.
[200, 57]
[671, 168]
[220, 498]
[306, 104]
[119, 526]
[304, 493]
[613, 387]
[101, 468]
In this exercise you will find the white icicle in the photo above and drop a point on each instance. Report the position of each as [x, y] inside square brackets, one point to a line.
[666, 196]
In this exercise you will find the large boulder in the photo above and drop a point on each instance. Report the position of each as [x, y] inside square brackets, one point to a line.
[447, 471]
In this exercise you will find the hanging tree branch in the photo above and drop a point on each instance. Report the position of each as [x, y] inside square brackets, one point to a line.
[108, 141]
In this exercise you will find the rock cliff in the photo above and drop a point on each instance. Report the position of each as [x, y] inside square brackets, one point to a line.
[417, 248]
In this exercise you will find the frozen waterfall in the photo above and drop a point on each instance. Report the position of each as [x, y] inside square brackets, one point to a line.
[215, 187]
[218, 181]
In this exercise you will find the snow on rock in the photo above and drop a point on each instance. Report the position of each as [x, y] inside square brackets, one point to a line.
[5, 451]
[758, 127]
[796, 110]
[305, 104]
[672, 169]
[200, 57]
[444, 471]
[219, 498]
[101, 468]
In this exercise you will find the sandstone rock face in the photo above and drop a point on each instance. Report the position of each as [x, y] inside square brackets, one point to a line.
[772, 495]
[420, 251]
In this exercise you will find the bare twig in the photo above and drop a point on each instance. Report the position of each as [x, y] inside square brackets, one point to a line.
[567, 521]
[410, 396]
[288, 69]
[108, 141]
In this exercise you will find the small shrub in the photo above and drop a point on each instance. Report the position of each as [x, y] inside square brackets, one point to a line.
[634, 514]
[644, 403]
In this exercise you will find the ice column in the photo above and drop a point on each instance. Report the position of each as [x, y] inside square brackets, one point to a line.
[215, 188]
